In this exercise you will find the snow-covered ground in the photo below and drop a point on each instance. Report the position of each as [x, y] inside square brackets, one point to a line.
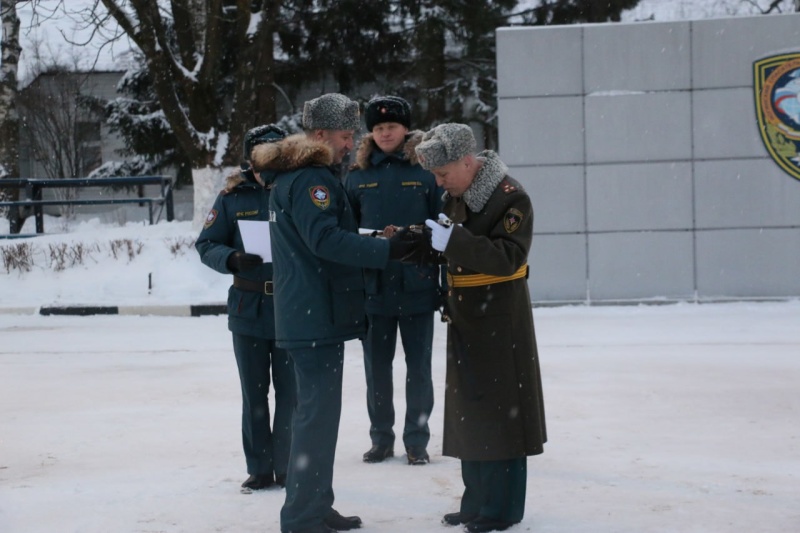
[675, 418]
[679, 418]
[98, 262]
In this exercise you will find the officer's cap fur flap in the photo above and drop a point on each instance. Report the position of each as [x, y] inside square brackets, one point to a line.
[367, 146]
[296, 151]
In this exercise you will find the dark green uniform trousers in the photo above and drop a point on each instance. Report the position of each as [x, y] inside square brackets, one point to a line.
[495, 489]
[416, 333]
[266, 450]
[315, 430]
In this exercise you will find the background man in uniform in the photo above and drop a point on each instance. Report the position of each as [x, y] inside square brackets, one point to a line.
[251, 319]
[494, 407]
[387, 187]
[319, 287]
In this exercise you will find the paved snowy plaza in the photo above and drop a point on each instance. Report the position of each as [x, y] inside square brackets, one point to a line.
[676, 418]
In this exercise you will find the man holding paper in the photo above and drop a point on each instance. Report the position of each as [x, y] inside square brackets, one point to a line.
[235, 240]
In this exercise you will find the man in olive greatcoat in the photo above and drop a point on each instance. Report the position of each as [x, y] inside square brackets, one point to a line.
[387, 187]
[494, 407]
[318, 258]
[251, 318]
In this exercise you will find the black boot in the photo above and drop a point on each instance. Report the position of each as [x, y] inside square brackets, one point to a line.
[377, 454]
[342, 523]
[322, 528]
[417, 455]
[484, 525]
[257, 482]
[456, 519]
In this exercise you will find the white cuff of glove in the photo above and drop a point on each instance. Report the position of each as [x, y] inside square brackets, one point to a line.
[440, 234]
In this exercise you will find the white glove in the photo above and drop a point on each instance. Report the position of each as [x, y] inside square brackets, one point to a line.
[440, 234]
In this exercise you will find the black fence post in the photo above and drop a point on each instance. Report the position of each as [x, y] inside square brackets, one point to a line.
[34, 192]
[170, 204]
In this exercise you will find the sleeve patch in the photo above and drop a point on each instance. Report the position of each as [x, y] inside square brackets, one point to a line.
[512, 219]
[211, 217]
[320, 196]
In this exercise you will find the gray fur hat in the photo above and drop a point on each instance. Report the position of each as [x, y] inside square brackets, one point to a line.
[444, 144]
[332, 111]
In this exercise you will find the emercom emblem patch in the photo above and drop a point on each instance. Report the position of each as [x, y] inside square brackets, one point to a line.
[320, 196]
[210, 218]
[777, 93]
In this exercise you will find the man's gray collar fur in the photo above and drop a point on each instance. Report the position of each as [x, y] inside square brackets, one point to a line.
[486, 181]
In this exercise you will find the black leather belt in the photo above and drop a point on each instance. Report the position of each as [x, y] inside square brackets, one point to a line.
[253, 286]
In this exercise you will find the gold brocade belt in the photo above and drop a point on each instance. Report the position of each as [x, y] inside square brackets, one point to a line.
[476, 280]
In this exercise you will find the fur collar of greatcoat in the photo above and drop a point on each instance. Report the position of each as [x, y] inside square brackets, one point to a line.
[233, 179]
[487, 179]
[367, 147]
[293, 152]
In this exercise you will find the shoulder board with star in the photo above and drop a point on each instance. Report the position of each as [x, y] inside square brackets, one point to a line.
[507, 186]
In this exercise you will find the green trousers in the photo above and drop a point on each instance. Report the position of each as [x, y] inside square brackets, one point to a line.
[495, 489]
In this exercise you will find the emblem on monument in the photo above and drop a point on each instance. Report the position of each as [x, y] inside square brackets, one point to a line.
[777, 91]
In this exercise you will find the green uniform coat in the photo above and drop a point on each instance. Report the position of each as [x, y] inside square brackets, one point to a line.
[249, 313]
[494, 406]
[317, 253]
[394, 189]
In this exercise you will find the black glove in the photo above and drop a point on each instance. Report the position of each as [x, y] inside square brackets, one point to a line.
[401, 245]
[241, 261]
[413, 245]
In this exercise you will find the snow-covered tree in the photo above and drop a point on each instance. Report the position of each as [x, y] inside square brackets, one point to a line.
[211, 64]
[9, 117]
[137, 117]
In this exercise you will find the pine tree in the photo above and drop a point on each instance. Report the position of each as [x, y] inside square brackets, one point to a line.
[552, 12]
[210, 65]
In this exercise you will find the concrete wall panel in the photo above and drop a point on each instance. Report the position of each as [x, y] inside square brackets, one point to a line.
[539, 63]
[725, 124]
[661, 147]
[558, 268]
[541, 131]
[723, 50]
[637, 57]
[638, 127]
[745, 193]
[640, 265]
[641, 196]
[557, 194]
[748, 263]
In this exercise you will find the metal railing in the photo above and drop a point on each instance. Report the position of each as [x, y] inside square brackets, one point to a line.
[33, 194]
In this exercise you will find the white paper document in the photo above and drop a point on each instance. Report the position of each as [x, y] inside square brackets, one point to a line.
[255, 236]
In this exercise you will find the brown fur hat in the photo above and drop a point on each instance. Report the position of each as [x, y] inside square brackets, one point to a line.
[295, 151]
